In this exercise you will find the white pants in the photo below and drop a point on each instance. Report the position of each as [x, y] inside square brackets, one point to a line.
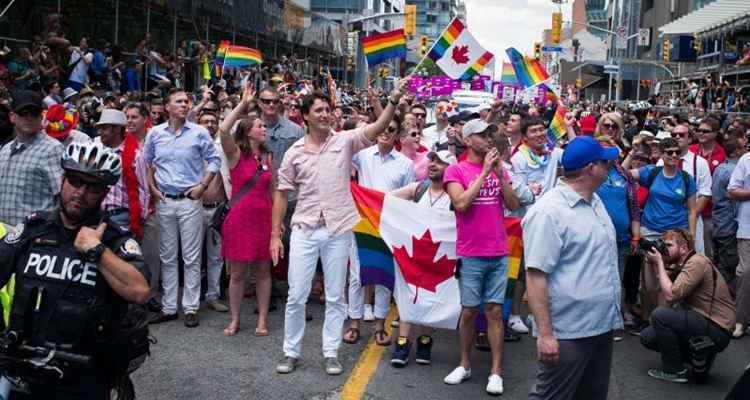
[184, 219]
[699, 244]
[304, 252]
[213, 255]
[356, 294]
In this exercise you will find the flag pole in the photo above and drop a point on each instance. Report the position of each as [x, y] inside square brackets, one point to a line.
[431, 47]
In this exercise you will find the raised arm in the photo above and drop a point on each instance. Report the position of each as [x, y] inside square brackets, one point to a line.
[372, 130]
[228, 144]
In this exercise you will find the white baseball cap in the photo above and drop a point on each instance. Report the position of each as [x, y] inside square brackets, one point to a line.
[478, 125]
[444, 156]
[111, 117]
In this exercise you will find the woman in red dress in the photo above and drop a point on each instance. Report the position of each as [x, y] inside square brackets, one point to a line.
[246, 232]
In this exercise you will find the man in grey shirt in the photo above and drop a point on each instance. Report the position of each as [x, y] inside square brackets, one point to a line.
[725, 214]
[570, 249]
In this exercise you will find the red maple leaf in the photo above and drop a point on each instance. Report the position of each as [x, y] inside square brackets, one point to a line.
[459, 54]
[420, 269]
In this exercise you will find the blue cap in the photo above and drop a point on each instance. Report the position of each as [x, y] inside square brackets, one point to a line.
[584, 150]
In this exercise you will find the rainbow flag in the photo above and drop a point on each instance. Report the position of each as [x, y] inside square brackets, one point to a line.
[382, 46]
[508, 75]
[477, 67]
[375, 258]
[240, 56]
[219, 57]
[557, 129]
[529, 72]
[451, 33]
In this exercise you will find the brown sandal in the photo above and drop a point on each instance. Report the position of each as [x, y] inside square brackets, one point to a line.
[382, 338]
[354, 339]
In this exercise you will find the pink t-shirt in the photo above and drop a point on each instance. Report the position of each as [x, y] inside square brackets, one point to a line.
[480, 229]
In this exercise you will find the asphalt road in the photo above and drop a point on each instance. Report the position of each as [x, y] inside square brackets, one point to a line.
[201, 363]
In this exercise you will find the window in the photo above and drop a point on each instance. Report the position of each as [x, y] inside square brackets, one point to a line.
[431, 19]
[433, 5]
[445, 7]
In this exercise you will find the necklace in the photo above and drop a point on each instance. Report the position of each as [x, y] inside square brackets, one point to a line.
[432, 202]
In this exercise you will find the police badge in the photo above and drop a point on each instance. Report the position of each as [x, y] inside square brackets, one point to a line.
[131, 248]
[14, 234]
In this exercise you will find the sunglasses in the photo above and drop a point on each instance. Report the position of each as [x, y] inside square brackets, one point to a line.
[91, 187]
[680, 135]
[269, 101]
[415, 134]
[29, 113]
[419, 115]
[391, 129]
[672, 152]
[610, 126]
[704, 130]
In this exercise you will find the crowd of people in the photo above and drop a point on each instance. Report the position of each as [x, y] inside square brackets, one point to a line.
[637, 220]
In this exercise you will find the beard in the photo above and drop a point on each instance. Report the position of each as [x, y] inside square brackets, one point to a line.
[78, 214]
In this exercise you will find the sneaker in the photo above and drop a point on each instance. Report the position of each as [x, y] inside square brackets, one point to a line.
[191, 320]
[333, 366]
[675, 377]
[217, 306]
[424, 350]
[495, 385]
[629, 319]
[394, 323]
[400, 355]
[162, 317]
[618, 335]
[286, 365]
[369, 316]
[511, 337]
[458, 375]
[516, 324]
[739, 331]
[636, 331]
[154, 305]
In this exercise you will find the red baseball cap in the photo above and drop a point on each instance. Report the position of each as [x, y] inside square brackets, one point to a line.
[588, 125]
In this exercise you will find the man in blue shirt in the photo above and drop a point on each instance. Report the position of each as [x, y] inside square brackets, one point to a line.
[570, 249]
[177, 152]
[725, 213]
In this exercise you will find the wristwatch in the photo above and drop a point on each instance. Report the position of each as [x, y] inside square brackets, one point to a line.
[94, 254]
[392, 101]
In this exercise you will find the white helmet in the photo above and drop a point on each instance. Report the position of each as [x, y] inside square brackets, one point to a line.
[93, 159]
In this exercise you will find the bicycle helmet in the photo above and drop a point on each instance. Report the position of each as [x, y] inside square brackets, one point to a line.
[93, 159]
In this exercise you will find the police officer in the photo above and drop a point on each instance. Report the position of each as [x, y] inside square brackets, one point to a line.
[75, 273]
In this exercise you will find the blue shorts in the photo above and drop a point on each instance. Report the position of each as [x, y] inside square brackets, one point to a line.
[482, 280]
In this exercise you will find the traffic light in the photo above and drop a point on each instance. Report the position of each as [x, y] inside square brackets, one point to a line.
[665, 50]
[579, 83]
[424, 42]
[384, 72]
[410, 19]
[697, 44]
[537, 50]
[350, 62]
[556, 27]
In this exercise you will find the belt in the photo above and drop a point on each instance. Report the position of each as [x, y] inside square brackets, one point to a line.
[114, 211]
[213, 205]
[175, 196]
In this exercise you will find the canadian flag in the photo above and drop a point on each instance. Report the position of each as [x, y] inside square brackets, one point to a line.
[458, 54]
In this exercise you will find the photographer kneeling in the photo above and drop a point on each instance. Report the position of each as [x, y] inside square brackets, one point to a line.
[698, 323]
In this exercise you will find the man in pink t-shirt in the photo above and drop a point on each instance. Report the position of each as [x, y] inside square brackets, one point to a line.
[479, 188]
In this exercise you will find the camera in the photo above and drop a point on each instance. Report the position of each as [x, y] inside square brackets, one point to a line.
[701, 357]
[645, 246]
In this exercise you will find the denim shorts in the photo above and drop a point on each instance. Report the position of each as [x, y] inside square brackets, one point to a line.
[482, 280]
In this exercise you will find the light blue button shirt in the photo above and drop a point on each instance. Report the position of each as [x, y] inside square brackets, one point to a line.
[574, 243]
[179, 158]
[384, 173]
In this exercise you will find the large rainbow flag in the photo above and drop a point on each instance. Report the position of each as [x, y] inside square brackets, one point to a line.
[508, 75]
[383, 46]
[528, 71]
[240, 56]
[219, 57]
[375, 258]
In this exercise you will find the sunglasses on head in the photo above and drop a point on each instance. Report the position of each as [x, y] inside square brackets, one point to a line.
[672, 152]
[92, 187]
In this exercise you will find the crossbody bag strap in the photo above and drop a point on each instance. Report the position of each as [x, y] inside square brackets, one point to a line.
[249, 185]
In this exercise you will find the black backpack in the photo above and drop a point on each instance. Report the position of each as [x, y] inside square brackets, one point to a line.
[656, 171]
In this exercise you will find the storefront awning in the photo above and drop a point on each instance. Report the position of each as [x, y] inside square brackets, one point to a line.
[714, 15]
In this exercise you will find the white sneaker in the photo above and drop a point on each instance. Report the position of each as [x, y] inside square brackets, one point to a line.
[516, 324]
[531, 324]
[495, 384]
[369, 316]
[739, 331]
[459, 375]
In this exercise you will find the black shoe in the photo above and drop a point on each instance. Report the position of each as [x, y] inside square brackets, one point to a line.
[424, 350]
[191, 320]
[401, 353]
[162, 317]
[154, 306]
[512, 337]
[308, 316]
[481, 343]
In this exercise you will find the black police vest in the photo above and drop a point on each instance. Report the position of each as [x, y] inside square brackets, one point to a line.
[60, 298]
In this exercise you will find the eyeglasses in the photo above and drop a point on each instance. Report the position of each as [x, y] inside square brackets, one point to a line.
[269, 101]
[419, 115]
[704, 130]
[610, 126]
[672, 152]
[92, 187]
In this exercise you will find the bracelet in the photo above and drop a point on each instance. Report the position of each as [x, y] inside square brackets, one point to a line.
[394, 102]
